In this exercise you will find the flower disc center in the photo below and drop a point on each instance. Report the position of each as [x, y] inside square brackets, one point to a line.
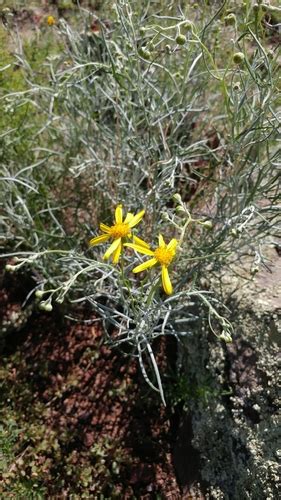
[119, 230]
[164, 256]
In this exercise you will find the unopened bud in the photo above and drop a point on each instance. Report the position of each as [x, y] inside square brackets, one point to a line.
[165, 216]
[45, 306]
[181, 39]
[255, 270]
[10, 268]
[230, 19]
[238, 58]
[187, 25]
[234, 232]
[177, 197]
[270, 8]
[7, 12]
[225, 335]
[144, 53]
[180, 209]
[39, 294]
[237, 86]
[208, 224]
[256, 7]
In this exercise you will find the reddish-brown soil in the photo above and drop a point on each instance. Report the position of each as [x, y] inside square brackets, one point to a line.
[92, 406]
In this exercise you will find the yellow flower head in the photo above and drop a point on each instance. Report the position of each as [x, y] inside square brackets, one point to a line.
[118, 232]
[162, 255]
[51, 20]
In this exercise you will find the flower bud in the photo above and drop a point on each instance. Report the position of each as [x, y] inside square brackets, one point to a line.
[238, 58]
[225, 335]
[180, 39]
[51, 20]
[39, 294]
[208, 224]
[230, 20]
[165, 216]
[7, 12]
[144, 53]
[168, 48]
[274, 9]
[180, 209]
[177, 197]
[187, 25]
[234, 232]
[45, 306]
[10, 268]
[255, 270]
[236, 86]
[256, 7]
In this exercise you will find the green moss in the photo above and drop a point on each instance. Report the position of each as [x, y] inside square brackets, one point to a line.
[15, 481]
[38, 460]
[181, 390]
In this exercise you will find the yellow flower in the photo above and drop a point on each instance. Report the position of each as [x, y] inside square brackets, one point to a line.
[118, 232]
[163, 255]
[51, 20]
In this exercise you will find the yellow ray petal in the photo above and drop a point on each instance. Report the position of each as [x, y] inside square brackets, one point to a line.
[166, 282]
[98, 239]
[162, 243]
[116, 254]
[145, 265]
[140, 249]
[112, 248]
[118, 214]
[104, 228]
[128, 218]
[139, 241]
[172, 245]
[136, 219]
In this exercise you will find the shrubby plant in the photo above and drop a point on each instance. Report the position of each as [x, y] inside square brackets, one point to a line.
[160, 109]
